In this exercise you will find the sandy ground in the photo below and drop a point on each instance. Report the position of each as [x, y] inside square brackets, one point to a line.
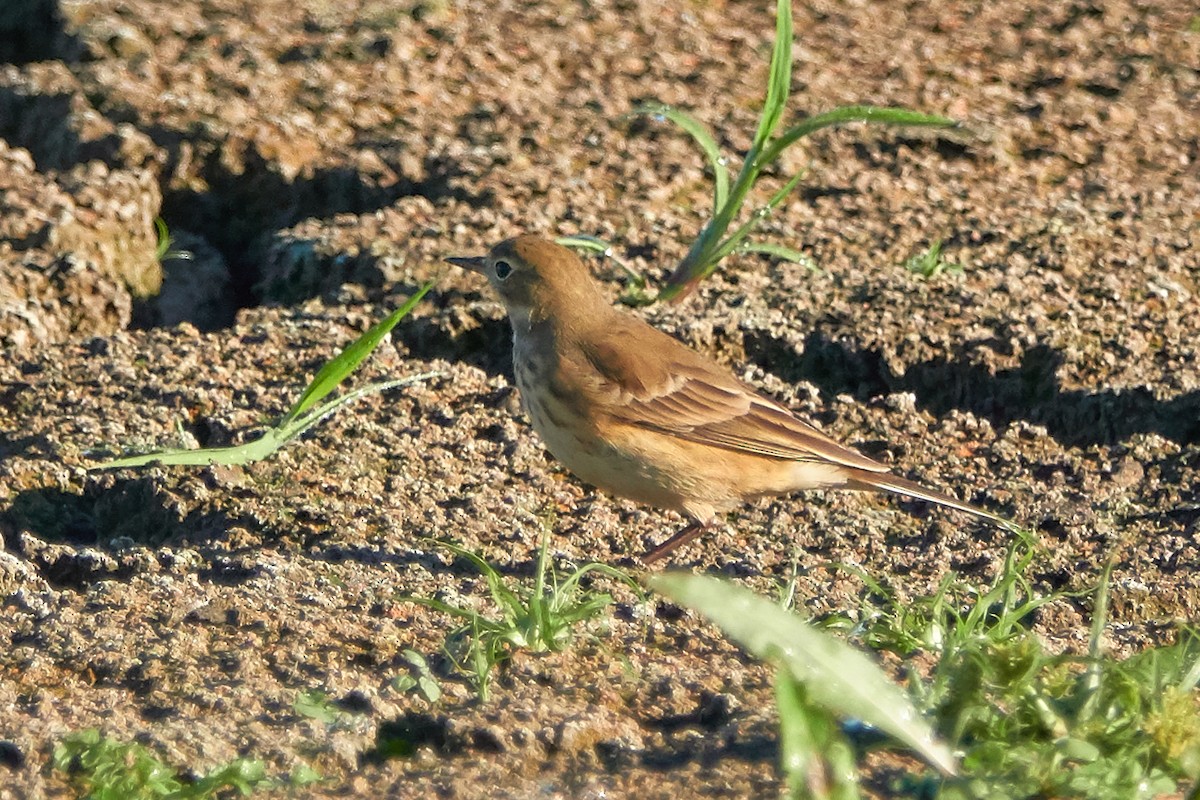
[318, 159]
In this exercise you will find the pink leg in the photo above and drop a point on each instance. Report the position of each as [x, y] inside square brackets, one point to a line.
[678, 540]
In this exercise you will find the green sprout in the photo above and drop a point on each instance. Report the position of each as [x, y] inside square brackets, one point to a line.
[305, 413]
[714, 242]
[1029, 722]
[819, 679]
[419, 679]
[930, 264]
[540, 618]
[163, 250]
[636, 293]
[102, 768]
[1021, 721]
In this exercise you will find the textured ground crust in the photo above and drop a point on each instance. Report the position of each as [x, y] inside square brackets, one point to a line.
[318, 159]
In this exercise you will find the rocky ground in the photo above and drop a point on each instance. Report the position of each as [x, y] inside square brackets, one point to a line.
[318, 159]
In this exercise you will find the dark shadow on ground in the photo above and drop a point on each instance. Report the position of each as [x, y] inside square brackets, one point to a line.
[429, 555]
[487, 346]
[32, 30]
[244, 201]
[1030, 392]
[239, 211]
[74, 540]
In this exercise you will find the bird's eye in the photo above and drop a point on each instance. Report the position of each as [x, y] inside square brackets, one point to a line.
[503, 269]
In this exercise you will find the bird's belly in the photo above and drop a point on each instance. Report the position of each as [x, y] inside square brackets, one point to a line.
[597, 460]
[593, 454]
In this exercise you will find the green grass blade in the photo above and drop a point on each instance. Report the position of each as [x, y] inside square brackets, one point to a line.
[481, 564]
[738, 237]
[1191, 678]
[572, 582]
[238, 455]
[293, 424]
[584, 242]
[1094, 674]
[839, 678]
[780, 76]
[847, 114]
[266, 444]
[1100, 611]
[507, 601]
[595, 244]
[706, 262]
[781, 195]
[811, 746]
[695, 128]
[164, 239]
[782, 252]
[706, 253]
[797, 741]
[336, 370]
[471, 617]
[539, 607]
[701, 259]
[291, 430]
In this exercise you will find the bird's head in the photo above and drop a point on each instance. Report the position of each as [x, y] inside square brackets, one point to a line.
[537, 279]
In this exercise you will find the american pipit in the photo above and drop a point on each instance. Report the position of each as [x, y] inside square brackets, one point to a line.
[639, 414]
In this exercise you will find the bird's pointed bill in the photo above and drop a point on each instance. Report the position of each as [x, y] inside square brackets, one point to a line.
[473, 263]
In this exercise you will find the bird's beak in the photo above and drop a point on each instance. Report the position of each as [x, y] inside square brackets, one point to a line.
[473, 263]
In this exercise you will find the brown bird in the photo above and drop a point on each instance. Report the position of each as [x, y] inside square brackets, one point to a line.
[636, 413]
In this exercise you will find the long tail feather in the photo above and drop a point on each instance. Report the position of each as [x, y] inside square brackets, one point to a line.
[877, 481]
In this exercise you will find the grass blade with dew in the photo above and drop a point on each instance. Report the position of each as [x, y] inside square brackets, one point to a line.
[782, 252]
[736, 239]
[816, 759]
[711, 244]
[597, 245]
[695, 128]
[847, 114]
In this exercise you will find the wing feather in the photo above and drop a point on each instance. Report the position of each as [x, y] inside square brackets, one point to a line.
[659, 384]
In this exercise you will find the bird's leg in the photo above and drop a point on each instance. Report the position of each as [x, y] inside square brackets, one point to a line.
[678, 540]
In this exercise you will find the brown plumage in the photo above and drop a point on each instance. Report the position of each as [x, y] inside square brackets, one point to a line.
[634, 412]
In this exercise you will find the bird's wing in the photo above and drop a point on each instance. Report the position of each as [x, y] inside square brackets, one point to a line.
[658, 383]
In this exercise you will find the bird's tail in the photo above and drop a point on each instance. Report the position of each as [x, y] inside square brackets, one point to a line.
[885, 481]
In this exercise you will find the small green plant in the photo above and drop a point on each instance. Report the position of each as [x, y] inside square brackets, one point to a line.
[163, 250]
[714, 242]
[819, 679]
[930, 264]
[420, 678]
[815, 757]
[539, 618]
[305, 413]
[954, 617]
[105, 769]
[1031, 723]
[1023, 721]
[316, 705]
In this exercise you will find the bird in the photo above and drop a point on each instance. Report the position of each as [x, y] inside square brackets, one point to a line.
[637, 413]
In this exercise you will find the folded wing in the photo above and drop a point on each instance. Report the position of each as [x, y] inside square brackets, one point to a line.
[684, 395]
